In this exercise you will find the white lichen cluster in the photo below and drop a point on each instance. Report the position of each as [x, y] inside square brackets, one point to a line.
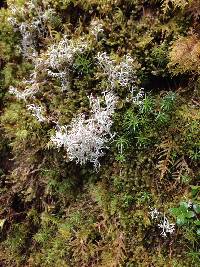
[60, 58]
[162, 222]
[166, 226]
[28, 45]
[96, 27]
[154, 213]
[85, 138]
[122, 73]
[55, 62]
[33, 28]
[37, 112]
[30, 86]
[136, 95]
[30, 90]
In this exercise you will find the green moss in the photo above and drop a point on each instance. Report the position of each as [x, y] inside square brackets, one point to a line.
[57, 213]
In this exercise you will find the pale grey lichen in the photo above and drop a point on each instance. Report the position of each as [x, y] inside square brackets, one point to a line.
[122, 73]
[85, 138]
[60, 58]
[31, 27]
[166, 226]
[29, 92]
[162, 222]
[96, 27]
[37, 112]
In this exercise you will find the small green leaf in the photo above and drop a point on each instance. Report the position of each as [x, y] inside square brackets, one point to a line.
[197, 222]
[195, 190]
[198, 231]
[196, 208]
[175, 211]
[184, 205]
[120, 158]
[190, 214]
[181, 220]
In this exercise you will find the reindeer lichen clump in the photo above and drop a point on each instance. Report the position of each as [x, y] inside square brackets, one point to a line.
[96, 28]
[86, 138]
[31, 21]
[163, 222]
[122, 73]
[37, 112]
[60, 58]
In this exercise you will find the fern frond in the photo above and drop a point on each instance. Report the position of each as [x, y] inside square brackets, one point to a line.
[184, 55]
[181, 167]
[119, 248]
[194, 9]
[165, 157]
[172, 4]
